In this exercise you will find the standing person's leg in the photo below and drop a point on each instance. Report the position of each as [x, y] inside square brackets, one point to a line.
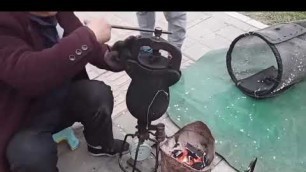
[146, 20]
[90, 102]
[177, 25]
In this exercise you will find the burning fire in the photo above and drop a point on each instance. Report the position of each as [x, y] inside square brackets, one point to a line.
[190, 156]
[184, 158]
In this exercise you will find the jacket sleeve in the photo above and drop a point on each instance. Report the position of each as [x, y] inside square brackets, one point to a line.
[35, 72]
[70, 22]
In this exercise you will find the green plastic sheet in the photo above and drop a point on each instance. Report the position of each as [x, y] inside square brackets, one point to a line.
[273, 130]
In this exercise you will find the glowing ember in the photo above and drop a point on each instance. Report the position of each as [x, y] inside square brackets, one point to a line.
[190, 156]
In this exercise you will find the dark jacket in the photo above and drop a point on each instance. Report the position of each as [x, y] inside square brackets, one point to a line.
[28, 71]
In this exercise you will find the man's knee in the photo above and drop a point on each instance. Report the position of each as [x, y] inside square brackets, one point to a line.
[90, 95]
[31, 151]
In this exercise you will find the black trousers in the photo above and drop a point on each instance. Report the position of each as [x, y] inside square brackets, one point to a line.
[90, 102]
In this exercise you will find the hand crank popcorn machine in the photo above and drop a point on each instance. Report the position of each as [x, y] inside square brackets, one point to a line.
[266, 62]
[148, 96]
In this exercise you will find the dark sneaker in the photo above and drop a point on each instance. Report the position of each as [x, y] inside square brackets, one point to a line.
[112, 151]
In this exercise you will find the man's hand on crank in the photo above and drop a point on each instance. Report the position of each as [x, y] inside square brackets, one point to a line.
[120, 51]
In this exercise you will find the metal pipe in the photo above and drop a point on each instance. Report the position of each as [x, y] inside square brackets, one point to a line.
[132, 28]
[137, 29]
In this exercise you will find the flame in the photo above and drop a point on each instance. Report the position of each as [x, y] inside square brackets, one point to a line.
[187, 159]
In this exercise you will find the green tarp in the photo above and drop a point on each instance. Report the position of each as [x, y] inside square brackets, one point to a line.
[273, 130]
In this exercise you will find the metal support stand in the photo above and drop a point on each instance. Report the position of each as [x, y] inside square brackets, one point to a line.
[144, 134]
[135, 69]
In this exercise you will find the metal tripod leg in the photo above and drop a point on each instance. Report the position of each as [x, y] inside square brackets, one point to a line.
[124, 141]
[122, 147]
[136, 156]
[157, 156]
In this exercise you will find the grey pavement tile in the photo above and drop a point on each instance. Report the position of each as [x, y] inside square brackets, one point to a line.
[206, 37]
[115, 76]
[256, 23]
[185, 58]
[109, 78]
[223, 167]
[162, 23]
[122, 85]
[232, 21]
[216, 160]
[239, 16]
[160, 15]
[113, 19]
[114, 39]
[196, 51]
[186, 64]
[215, 41]
[89, 67]
[120, 89]
[213, 24]
[194, 18]
[189, 42]
[126, 121]
[106, 74]
[84, 15]
[128, 17]
[198, 31]
[120, 99]
[80, 160]
[119, 109]
[118, 92]
[123, 79]
[209, 13]
[94, 72]
[230, 32]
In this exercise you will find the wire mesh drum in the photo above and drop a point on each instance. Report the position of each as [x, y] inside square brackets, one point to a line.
[266, 62]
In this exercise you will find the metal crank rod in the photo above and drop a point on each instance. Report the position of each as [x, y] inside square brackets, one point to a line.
[137, 29]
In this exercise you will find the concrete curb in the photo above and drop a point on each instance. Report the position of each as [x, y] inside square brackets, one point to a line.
[247, 20]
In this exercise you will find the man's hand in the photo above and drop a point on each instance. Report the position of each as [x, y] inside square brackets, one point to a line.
[113, 61]
[120, 51]
[101, 28]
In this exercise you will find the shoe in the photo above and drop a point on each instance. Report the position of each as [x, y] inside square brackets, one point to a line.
[112, 151]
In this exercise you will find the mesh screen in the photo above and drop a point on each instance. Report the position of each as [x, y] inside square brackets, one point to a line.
[251, 55]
